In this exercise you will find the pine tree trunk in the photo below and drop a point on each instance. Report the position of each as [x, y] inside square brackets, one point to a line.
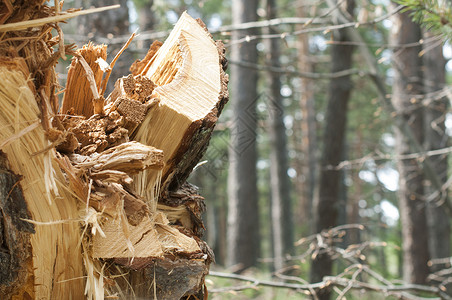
[281, 206]
[326, 202]
[243, 214]
[306, 173]
[407, 83]
[436, 138]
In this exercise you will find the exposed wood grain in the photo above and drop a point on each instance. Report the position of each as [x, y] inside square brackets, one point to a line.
[78, 97]
[81, 188]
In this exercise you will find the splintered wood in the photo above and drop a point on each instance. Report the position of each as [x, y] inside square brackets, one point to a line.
[188, 70]
[78, 88]
[43, 185]
[103, 180]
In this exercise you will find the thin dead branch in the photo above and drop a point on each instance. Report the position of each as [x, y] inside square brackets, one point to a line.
[17, 26]
[352, 276]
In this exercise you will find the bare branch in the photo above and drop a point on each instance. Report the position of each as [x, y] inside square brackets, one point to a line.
[287, 71]
[347, 280]
[332, 281]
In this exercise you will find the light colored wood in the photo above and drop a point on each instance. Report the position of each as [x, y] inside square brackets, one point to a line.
[78, 94]
[152, 238]
[56, 267]
[186, 70]
[91, 192]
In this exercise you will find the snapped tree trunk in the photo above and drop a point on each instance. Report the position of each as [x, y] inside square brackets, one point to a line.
[326, 202]
[243, 214]
[407, 84]
[94, 200]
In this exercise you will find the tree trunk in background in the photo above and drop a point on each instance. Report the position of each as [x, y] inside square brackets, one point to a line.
[281, 212]
[146, 20]
[243, 214]
[326, 202]
[436, 138]
[306, 173]
[109, 24]
[408, 82]
[352, 202]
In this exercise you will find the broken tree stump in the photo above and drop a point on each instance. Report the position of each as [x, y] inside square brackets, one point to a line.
[93, 195]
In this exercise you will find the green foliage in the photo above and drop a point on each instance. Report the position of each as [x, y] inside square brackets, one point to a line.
[434, 15]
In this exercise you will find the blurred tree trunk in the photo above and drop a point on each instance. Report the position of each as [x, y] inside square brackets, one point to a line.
[243, 214]
[436, 138]
[146, 19]
[306, 172]
[109, 24]
[221, 242]
[279, 180]
[407, 83]
[352, 202]
[328, 195]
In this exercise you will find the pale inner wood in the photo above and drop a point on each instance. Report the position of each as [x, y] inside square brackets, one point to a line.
[187, 71]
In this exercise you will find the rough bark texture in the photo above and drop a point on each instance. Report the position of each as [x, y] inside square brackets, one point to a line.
[408, 82]
[15, 246]
[243, 220]
[436, 138]
[166, 280]
[281, 206]
[327, 203]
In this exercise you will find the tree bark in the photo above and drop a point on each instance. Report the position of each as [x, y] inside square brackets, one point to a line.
[329, 188]
[15, 235]
[306, 173]
[407, 83]
[281, 206]
[436, 138]
[243, 214]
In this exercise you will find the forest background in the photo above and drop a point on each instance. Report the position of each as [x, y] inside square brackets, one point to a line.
[327, 174]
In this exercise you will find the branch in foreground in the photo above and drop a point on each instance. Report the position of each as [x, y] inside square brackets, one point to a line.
[350, 284]
[347, 280]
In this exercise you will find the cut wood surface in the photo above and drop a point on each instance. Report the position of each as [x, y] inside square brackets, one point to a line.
[103, 207]
[191, 92]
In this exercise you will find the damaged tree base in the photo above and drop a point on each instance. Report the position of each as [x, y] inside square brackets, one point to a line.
[93, 196]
